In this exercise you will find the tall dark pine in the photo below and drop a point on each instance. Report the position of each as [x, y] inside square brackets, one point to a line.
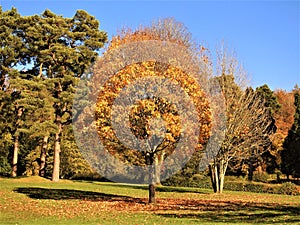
[62, 49]
[290, 156]
[13, 102]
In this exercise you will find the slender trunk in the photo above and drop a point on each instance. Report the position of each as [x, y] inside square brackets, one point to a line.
[15, 157]
[213, 177]
[217, 175]
[158, 163]
[222, 171]
[250, 171]
[152, 185]
[14, 170]
[43, 156]
[152, 199]
[56, 158]
[217, 178]
[151, 160]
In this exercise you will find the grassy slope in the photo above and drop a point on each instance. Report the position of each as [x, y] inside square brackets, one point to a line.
[35, 200]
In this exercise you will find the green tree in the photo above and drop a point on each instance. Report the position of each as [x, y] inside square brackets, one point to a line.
[15, 98]
[268, 161]
[62, 49]
[290, 155]
[270, 99]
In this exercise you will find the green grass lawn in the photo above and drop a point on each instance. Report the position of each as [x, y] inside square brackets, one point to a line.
[34, 200]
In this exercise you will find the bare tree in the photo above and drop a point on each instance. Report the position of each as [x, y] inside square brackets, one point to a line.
[248, 121]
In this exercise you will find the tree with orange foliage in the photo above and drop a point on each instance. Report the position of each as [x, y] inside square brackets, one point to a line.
[151, 105]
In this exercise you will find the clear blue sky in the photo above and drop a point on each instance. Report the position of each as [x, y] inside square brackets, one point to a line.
[265, 34]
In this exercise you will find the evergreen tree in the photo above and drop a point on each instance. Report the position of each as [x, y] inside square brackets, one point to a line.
[62, 50]
[270, 99]
[269, 159]
[13, 53]
[290, 156]
[36, 98]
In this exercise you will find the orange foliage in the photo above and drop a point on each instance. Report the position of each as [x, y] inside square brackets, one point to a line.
[285, 116]
[146, 109]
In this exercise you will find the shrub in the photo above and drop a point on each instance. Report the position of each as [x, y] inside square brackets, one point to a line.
[289, 188]
[233, 184]
[261, 177]
[5, 167]
[197, 180]
[254, 187]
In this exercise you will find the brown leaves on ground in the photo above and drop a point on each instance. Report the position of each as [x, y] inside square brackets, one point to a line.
[72, 203]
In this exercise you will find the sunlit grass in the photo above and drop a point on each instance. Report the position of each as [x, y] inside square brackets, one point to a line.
[34, 200]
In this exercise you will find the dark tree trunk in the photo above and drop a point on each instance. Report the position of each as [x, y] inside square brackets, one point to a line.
[250, 171]
[151, 163]
[213, 177]
[152, 194]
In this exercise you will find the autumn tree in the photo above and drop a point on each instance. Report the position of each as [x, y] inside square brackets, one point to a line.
[284, 117]
[150, 102]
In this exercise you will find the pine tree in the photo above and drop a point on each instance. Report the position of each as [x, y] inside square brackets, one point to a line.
[37, 100]
[13, 53]
[62, 48]
[290, 156]
[269, 159]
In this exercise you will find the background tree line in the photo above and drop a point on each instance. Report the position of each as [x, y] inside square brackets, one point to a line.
[44, 56]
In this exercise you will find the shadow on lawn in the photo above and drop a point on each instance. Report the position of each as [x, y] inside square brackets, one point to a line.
[199, 210]
[158, 188]
[64, 194]
[238, 212]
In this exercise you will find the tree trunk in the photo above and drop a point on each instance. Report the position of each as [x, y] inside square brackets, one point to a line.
[213, 177]
[222, 171]
[158, 163]
[217, 175]
[15, 157]
[152, 199]
[250, 171]
[43, 156]
[152, 184]
[151, 162]
[56, 158]
[14, 171]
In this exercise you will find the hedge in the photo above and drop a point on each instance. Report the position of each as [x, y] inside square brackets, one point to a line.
[234, 184]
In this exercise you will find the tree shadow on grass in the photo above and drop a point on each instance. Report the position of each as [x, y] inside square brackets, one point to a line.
[199, 210]
[237, 212]
[65, 194]
[158, 188]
